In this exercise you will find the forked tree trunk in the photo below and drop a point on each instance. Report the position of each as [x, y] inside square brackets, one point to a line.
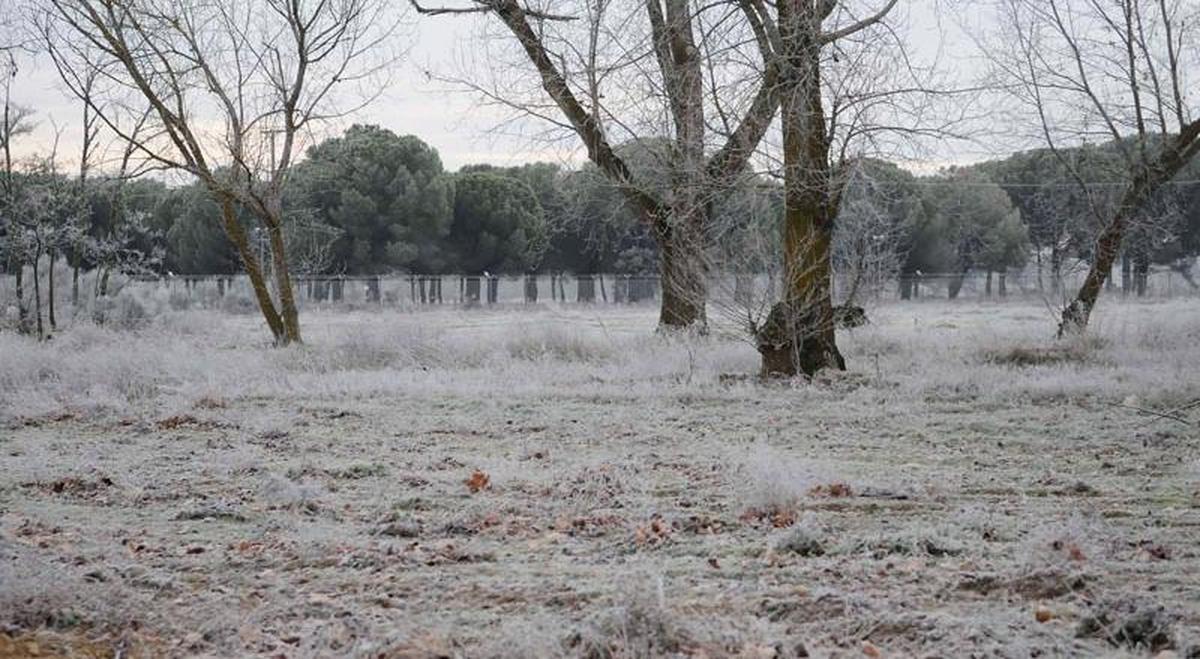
[798, 336]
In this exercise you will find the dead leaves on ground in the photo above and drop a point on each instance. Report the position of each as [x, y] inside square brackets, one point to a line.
[53, 645]
[652, 534]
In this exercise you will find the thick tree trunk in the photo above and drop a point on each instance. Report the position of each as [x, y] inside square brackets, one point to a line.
[987, 285]
[237, 235]
[798, 336]
[906, 286]
[1003, 283]
[681, 273]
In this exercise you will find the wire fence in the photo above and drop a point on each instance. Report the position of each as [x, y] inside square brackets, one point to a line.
[233, 292]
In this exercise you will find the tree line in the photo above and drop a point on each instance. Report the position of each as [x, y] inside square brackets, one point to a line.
[742, 135]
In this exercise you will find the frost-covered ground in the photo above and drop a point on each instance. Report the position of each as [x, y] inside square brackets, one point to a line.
[565, 483]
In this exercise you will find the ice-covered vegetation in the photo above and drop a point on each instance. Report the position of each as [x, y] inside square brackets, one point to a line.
[566, 483]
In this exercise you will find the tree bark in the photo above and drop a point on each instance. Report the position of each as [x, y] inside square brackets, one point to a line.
[37, 292]
[1003, 283]
[75, 284]
[22, 309]
[954, 286]
[681, 272]
[1126, 273]
[798, 336]
[237, 235]
[1141, 271]
[987, 285]
[50, 291]
[289, 315]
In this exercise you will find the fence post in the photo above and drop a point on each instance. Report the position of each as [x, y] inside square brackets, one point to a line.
[472, 294]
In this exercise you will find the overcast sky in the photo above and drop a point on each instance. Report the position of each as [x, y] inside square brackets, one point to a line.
[452, 122]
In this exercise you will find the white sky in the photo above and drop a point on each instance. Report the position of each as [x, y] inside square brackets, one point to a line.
[451, 121]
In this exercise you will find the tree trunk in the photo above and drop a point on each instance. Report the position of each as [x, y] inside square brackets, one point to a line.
[288, 312]
[50, 291]
[681, 273]
[1055, 270]
[906, 286]
[237, 235]
[954, 286]
[1003, 283]
[1037, 250]
[1126, 273]
[1147, 180]
[75, 284]
[1141, 271]
[798, 336]
[37, 293]
[987, 286]
[679, 230]
[22, 309]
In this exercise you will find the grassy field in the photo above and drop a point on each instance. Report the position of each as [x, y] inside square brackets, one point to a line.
[566, 483]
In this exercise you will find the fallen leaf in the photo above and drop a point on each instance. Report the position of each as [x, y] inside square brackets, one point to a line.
[1043, 614]
[479, 480]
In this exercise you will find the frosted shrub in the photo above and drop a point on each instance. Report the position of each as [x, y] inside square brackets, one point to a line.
[558, 343]
[124, 312]
[238, 303]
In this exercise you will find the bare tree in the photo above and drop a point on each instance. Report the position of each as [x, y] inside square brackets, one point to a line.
[847, 88]
[1106, 71]
[16, 121]
[696, 75]
[234, 89]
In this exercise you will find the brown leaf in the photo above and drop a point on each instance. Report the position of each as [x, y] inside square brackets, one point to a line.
[833, 490]
[479, 480]
[1042, 613]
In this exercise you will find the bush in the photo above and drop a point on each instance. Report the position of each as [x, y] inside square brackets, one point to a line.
[123, 312]
[555, 342]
